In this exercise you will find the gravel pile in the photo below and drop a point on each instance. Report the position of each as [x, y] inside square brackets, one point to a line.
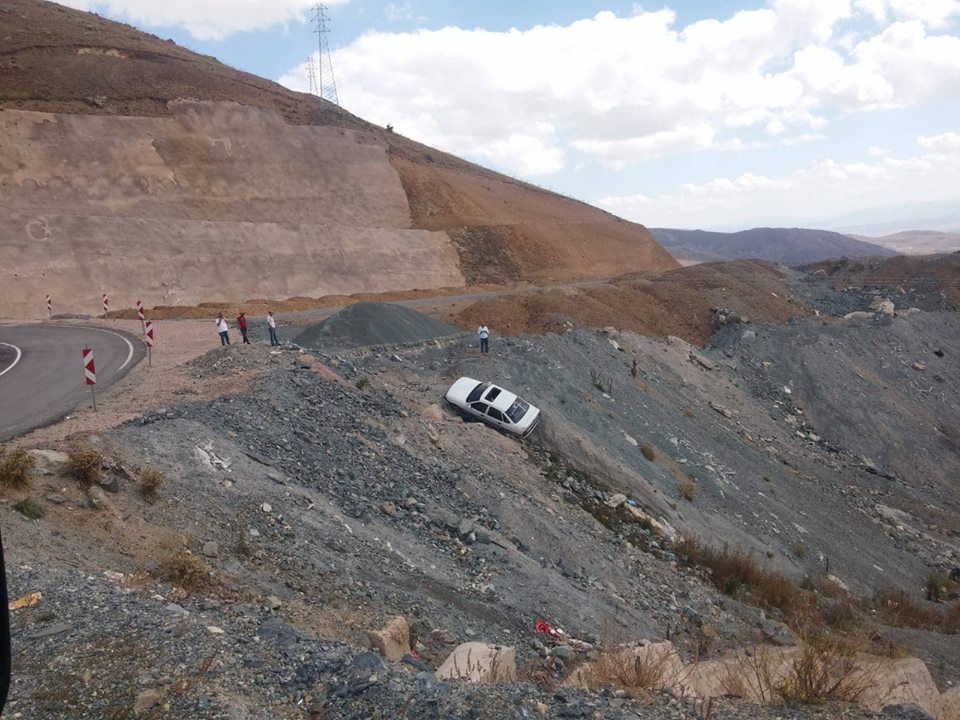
[371, 323]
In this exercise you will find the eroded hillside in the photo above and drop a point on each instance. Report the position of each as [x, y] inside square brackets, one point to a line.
[133, 167]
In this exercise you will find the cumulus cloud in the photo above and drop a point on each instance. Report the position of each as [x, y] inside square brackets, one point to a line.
[831, 188]
[624, 90]
[204, 19]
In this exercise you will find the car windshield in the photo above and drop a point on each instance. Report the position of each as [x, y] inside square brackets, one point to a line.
[477, 392]
[518, 410]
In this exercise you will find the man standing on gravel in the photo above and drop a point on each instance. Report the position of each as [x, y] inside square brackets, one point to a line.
[242, 324]
[223, 329]
[272, 327]
[484, 332]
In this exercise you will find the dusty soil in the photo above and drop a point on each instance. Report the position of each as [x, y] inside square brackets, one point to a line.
[319, 510]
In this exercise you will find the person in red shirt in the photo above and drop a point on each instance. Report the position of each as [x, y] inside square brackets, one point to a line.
[242, 324]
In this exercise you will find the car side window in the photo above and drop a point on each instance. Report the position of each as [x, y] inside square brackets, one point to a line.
[480, 407]
[496, 415]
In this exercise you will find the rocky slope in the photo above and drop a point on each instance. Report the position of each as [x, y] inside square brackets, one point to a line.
[339, 492]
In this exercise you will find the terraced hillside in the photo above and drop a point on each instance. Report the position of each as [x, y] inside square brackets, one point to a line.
[131, 166]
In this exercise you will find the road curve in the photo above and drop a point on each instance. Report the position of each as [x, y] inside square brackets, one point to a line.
[41, 371]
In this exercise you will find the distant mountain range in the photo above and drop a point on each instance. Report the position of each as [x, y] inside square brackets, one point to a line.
[786, 245]
[917, 242]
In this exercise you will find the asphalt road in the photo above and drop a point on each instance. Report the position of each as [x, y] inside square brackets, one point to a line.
[41, 371]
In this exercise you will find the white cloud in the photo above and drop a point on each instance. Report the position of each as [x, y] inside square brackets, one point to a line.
[624, 90]
[824, 189]
[204, 19]
[934, 13]
[947, 142]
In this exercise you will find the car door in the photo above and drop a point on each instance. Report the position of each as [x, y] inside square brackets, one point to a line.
[498, 418]
[479, 409]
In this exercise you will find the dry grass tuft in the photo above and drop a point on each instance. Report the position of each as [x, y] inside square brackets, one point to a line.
[829, 667]
[629, 667]
[85, 464]
[686, 489]
[649, 452]
[734, 570]
[16, 468]
[186, 571]
[151, 480]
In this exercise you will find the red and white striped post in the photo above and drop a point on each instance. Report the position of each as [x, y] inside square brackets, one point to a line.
[90, 373]
[106, 306]
[148, 338]
[49, 307]
[141, 316]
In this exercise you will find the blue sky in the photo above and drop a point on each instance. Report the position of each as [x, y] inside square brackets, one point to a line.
[681, 113]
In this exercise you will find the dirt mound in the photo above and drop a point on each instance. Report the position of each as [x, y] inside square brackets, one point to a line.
[930, 282]
[680, 302]
[372, 323]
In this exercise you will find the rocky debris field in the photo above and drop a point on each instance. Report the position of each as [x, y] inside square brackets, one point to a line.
[339, 492]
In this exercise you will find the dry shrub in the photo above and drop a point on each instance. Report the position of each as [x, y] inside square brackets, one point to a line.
[686, 489]
[828, 667]
[734, 569]
[898, 608]
[84, 464]
[16, 467]
[150, 481]
[185, 570]
[841, 615]
[629, 667]
[649, 452]
[30, 507]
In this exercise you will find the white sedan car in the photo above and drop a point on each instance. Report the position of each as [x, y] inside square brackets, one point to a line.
[494, 405]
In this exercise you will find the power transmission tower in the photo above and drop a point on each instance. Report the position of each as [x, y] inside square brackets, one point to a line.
[325, 83]
[312, 72]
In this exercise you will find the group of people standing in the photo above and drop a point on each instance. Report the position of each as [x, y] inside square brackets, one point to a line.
[224, 329]
[483, 332]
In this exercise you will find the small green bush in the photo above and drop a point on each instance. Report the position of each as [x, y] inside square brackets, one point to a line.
[16, 468]
[150, 481]
[649, 452]
[362, 382]
[30, 507]
[85, 464]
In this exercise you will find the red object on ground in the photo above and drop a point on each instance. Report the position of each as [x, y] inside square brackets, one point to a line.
[89, 370]
[543, 627]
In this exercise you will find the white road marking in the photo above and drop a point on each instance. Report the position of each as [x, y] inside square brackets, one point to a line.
[15, 360]
[129, 345]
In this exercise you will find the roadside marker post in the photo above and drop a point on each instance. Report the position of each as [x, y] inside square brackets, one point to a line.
[141, 316]
[90, 374]
[148, 338]
[106, 306]
[49, 307]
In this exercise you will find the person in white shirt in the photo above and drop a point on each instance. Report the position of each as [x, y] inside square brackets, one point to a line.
[272, 327]
[223, 329]
[484, 332]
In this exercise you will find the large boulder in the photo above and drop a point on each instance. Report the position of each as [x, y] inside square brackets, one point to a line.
[393, 640]
[480, 662]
